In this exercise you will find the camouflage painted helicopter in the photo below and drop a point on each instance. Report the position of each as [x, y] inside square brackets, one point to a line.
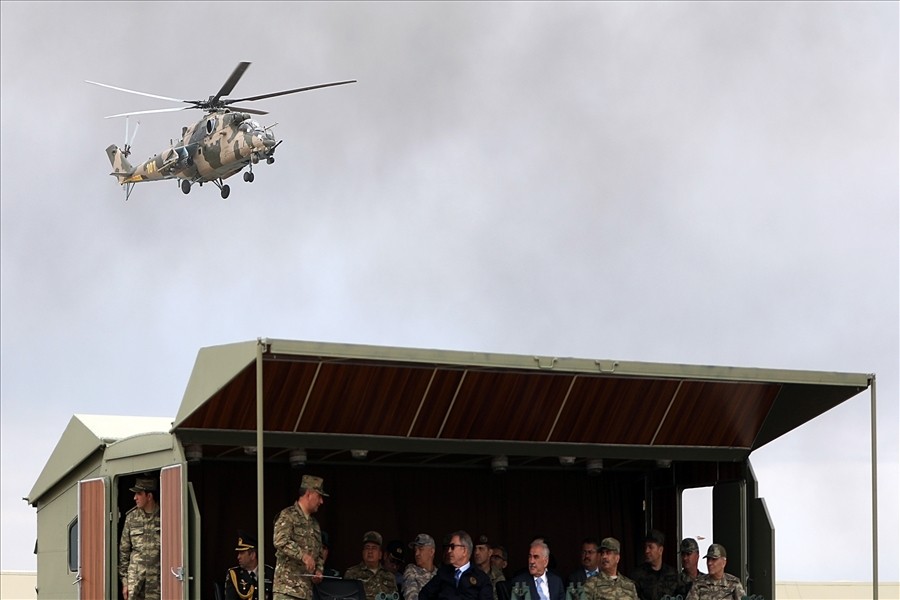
[221, 144]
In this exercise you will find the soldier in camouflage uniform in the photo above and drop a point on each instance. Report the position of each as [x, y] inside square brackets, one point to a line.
[482, 556]
[690, 555]
[609, 584]
[298, 544]
[654, 578]
[139, 544]
[718, 585]
[417, 575]
[376, 579]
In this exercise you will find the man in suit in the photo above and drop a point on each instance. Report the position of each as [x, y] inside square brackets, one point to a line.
[541, 583]
[242, 581]
[590, 562]
[458, 578]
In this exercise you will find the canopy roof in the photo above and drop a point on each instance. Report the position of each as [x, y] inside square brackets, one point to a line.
[415, 406]
[84, 435]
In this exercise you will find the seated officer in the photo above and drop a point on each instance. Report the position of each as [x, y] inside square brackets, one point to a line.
[242, 581]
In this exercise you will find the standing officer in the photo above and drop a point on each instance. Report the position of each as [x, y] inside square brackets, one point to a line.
[242, 581]
[139, 544]
[297, 537]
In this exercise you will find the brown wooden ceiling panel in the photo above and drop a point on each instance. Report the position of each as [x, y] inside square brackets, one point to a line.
[363, 399]
[232, 407]
[614, 410]
[442, 391]
[506, 406]
[285, 385]
[717, 414]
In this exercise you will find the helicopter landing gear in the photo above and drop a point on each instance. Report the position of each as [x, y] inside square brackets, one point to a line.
[248, 177]
[185, 186]
[223, 188]
[270, 160]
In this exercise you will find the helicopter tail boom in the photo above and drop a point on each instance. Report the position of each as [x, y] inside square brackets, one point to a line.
[122, 169]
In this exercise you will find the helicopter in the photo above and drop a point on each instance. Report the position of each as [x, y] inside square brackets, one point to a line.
[221, 144]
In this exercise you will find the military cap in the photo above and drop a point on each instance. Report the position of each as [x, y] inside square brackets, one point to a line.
[325, 539]
[143, 484]
[313, 483]
[395, 550]
[656, 536]
[482, 541]
[245, 542]
[612, 544]
[716, 551]
[373, 537]
[423, 539]
[689, 546]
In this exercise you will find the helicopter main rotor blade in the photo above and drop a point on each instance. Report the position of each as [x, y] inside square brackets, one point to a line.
[303, 89]
[121, 89]
[147, 112]
[252, 111]
[230, 83]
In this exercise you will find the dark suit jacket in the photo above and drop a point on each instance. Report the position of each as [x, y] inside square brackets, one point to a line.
[554, 583]
[579, 576]
[241, 578]
[474, 584]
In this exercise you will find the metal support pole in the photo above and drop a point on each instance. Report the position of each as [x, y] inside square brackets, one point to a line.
[874, 436]
[260, 527]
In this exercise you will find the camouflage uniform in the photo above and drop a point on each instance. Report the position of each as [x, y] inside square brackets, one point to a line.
[139, 554]
[604, 587]
[380, 580]
[295, 534]
[685, 582]
[653, 585]
[414, 578]
[707, 588]
[496, 575]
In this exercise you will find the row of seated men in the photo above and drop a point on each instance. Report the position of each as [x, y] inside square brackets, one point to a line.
[385, 576]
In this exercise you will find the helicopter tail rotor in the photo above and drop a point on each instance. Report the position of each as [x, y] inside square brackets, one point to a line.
[128, 142]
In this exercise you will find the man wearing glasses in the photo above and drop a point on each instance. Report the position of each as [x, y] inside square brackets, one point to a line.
[590, 562]
[499, 558]
[458, 579]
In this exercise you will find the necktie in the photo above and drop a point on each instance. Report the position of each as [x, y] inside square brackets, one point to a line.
[456, 576]
[591, 574]
[540, 589]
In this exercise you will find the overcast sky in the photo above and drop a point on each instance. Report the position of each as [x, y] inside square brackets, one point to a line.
[705, 183]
